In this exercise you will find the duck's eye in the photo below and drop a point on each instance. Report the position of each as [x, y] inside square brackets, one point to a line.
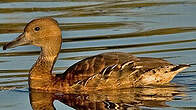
[37, 28]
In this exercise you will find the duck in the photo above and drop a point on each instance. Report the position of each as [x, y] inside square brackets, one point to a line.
[105, 71]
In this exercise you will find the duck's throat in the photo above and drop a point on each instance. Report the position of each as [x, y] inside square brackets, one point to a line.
[41, 72]
[43, 66]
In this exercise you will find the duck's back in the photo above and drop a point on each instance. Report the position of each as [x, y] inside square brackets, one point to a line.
[90, 66]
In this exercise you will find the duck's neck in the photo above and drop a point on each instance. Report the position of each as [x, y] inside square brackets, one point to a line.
[41, 72]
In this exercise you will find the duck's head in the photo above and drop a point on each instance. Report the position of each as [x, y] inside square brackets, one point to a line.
[42, 32]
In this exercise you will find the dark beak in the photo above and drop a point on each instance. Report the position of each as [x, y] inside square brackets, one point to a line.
[19, 41]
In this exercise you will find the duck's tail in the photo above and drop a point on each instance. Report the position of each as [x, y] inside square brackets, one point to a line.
[162, 75]
[180, 67]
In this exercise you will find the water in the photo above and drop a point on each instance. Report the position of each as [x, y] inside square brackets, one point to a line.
[152, 28]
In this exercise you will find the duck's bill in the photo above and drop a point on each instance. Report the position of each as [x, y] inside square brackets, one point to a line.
[19, 41]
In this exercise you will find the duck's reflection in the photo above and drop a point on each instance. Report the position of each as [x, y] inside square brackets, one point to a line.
[100, 100]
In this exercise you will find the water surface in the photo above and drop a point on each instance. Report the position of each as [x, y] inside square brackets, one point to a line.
[151, 28]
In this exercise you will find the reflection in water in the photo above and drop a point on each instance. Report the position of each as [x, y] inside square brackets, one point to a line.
[133, 98]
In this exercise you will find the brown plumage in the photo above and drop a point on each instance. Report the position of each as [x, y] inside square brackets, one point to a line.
[112, 70]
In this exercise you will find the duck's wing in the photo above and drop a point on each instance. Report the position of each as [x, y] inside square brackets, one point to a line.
[147, 63]
[95, 64]
[142, 72]
[118, 66]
